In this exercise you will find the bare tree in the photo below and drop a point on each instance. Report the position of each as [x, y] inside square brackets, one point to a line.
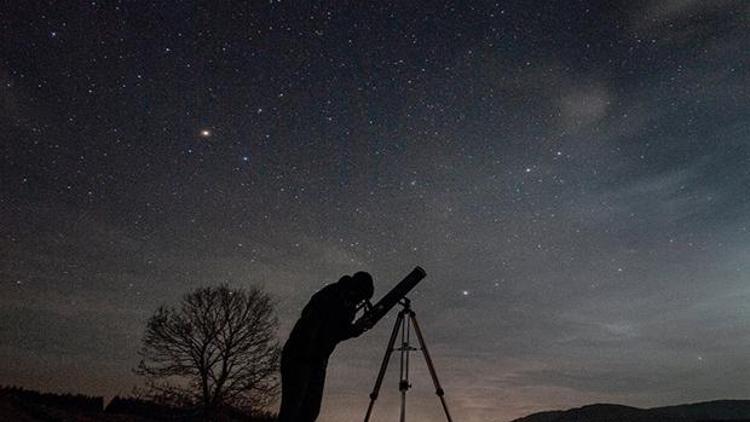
[217, 348]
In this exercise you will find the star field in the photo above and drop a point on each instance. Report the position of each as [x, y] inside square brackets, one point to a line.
[573, 176]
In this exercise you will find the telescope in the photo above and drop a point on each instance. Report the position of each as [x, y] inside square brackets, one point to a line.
[391, 299]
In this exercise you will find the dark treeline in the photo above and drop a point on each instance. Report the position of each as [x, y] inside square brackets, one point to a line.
[43, 406]
[146, 408]
[153, 410]
[75, 402]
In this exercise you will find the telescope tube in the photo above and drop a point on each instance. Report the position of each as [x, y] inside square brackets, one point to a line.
[380, 309]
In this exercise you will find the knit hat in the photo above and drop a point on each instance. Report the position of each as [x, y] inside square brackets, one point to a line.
[362, 282]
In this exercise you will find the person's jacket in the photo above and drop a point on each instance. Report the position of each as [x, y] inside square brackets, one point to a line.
[326, 320]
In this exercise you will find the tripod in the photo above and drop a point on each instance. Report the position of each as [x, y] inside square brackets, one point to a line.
[405, 320]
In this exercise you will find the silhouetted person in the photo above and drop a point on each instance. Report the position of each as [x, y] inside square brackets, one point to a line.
[325, 321]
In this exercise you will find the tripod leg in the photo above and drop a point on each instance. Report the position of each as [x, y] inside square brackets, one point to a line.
[438, 389]
[403, 384]
[384, 365]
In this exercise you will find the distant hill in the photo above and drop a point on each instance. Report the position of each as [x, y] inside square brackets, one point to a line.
[711, 411]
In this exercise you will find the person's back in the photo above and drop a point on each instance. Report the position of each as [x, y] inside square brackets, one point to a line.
[326, 320]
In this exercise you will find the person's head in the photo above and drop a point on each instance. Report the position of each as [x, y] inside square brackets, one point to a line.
[358, 287]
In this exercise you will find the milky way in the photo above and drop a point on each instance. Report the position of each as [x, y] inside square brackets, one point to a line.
[573, 176]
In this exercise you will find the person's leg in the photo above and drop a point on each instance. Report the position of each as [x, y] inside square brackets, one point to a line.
[311, 406]
[295, 378]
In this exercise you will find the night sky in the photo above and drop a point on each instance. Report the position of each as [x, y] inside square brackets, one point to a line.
[572, 175]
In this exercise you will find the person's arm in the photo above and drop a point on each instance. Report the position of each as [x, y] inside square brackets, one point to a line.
[352, 330]
[345, 327]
